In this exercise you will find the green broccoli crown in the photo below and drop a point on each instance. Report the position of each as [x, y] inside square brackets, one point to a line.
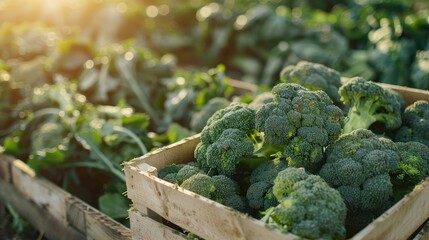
[260, 196]
[226, 152]
[416, 123]
[302, 121]
[413, 163]
[308, 207]
[186, 172]
[313, 76]
[369, 103]
[236, 115]
[227, 192]
[49, 135]
[201, 184]
[260, 192]
[199, 119]
[358, 165]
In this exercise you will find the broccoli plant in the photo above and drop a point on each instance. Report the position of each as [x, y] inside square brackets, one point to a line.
[416, 124]
[308, 206]
[369, 103]
[313, 76]
[358, 165]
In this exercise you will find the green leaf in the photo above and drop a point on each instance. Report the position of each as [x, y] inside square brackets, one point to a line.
[114, 205]
[48, 158]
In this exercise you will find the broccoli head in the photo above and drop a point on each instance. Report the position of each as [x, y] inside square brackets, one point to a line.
[199, 119]
[260, 192]
[416, 123]
[308, 206]
[413, 167]
[369, 103]
[301, 121]
[219, 188]
[201, 184]
[358, 165]
[313, 76]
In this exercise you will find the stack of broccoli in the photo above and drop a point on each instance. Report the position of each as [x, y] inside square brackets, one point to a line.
[306, 165]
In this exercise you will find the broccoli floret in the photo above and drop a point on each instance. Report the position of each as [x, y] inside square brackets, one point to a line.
[228, 139]
[219, 188]
[358, 165]
[369, 103]
[199, 119]
[236, 115]
[301, 121]
[186, 172]
[415, 124]
[308, 207]
[260, 192]
[227, 192]
[413, 167]
[226, 152]
[314, 76]
[201, 184]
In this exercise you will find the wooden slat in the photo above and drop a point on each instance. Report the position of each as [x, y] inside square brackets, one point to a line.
[144, 227]
[43, 193]
[423, 234]
[5, 168]
[42, 199]
[401, 220]
[37, 215]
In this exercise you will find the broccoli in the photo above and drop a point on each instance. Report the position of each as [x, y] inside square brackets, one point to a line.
[260, 192]
[301, 121]
[201, 184]
[313, 76]
[199, 119]
[308, 206]
[228, 139]
[358, 165]
[295, 126]
[415, 124]
[413, 167]
[219, 188]
[369, 103]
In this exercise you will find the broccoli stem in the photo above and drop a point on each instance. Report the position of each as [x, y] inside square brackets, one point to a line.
[359, 117]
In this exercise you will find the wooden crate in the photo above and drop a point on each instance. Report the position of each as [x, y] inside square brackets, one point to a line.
[157, 201]
[51, 210]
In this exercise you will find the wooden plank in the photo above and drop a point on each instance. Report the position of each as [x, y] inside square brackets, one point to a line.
[45, 198]
[144, 227]
[423, 234]
[201, 216]
[99, 226]
[37, 215]
[43, 193]
[401, 220]
[5, 168]
[410, 94]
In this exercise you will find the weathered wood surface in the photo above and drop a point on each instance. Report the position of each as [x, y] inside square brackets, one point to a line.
[50, 209]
